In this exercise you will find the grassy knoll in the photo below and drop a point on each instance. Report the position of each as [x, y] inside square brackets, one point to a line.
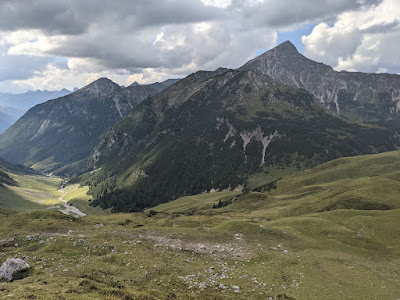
[196, 203]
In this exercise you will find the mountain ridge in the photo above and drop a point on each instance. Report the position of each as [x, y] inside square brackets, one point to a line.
[64, 130]
[232, 124]
[368, 97]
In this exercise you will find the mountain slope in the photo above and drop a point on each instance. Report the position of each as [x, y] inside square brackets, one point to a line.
[360, 96]
[366, 182]
[65, 130]
[230, 126]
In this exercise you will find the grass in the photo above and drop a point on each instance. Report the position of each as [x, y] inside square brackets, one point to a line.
[315, 236]
[36, 192]
[45, 165]
[263, 178]
[77, 196]
[196, 203]
[30, 193]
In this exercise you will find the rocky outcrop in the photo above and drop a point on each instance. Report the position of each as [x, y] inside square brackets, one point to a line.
[247, 135]
[13, 269]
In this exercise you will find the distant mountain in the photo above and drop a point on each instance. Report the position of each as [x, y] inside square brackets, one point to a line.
[29, 99]
[14, 106]
[212, 130]
[355, 95]
[65, 130]
[8, 116]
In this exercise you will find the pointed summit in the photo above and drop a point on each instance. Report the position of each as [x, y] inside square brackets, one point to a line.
[282, 51]
[101, 87]
[65, 91]
[134, 84]
[286, 46]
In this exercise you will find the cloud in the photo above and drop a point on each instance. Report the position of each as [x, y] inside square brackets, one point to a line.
[288, 13]
[158, 39]
[75, 17]
[13, 67]
[366, 40]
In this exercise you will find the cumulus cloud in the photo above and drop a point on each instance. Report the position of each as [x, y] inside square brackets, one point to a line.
[366, 40]
[157, 39]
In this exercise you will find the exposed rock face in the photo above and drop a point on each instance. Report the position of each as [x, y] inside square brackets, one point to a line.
[11, 269]
[368, 97]
[247, 135]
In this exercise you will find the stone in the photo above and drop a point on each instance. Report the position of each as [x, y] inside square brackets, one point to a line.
[12, 269]
[236, 288]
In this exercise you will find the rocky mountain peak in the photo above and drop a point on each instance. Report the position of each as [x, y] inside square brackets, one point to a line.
[286, 47]
[101, 87]
[362, 96]
[134, 84]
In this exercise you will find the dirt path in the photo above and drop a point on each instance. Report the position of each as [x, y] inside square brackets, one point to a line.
[69, 209]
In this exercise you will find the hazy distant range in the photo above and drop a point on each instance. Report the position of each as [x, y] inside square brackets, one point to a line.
[14, 106]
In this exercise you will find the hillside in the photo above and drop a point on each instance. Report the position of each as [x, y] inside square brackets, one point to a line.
[231, 125]
[355, 95]
[65, 130]
[363, 183]
[280, 243]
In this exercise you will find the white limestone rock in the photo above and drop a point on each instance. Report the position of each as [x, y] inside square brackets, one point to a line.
[12, 266]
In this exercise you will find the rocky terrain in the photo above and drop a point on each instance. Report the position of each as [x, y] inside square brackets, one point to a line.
[355, 95]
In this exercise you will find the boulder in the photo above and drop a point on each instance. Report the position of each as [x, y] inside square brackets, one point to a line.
[13, 269]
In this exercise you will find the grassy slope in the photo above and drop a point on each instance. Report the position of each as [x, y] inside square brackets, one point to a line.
[281, 242]
[77, 196]
[196, 203]
[30, 192]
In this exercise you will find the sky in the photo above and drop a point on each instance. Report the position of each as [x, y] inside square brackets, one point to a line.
[52, 44]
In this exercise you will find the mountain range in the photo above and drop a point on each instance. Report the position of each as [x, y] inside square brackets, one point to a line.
[65, 130]
[139, 146]
[14, 106]
[225, 127]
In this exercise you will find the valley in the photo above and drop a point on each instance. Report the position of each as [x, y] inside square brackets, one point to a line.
[309, 236]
